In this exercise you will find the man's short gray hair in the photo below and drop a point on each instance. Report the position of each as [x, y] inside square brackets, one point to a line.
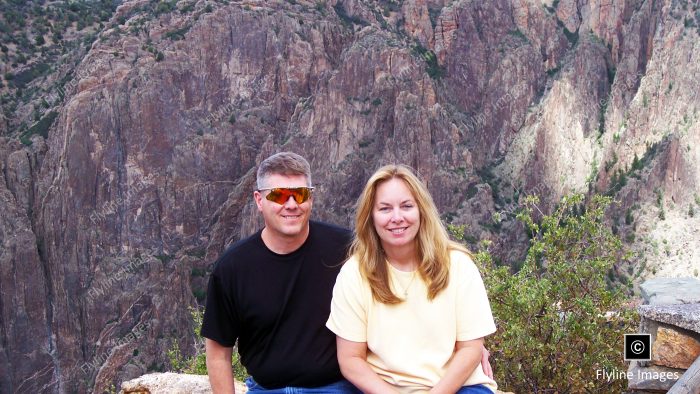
[283, 163]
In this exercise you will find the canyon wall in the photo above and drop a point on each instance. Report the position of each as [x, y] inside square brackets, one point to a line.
[111, 224]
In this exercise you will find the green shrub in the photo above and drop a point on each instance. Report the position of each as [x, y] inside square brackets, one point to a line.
[636, 163]
[198, 272]
[165, 7]
[572, 36]
[187, 8]
[659, 197]
[41, 127]
[552, 72]
[23, 78]
[434, 70]
[178, 34]
[553, 332]
[346, 19]
[200, 295]
[611, 75]
[611, 163]
[197, 364]
[629, 219]
[518, 34]
[164, 258]
[197, 252]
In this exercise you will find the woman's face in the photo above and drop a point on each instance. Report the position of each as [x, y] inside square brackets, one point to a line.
[395, 215]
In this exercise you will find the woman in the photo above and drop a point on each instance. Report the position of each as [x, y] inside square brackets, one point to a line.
[409, 308]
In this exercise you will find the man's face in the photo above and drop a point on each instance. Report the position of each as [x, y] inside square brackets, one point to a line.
[287, 220]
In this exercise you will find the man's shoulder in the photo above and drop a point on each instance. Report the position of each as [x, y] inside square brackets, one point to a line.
[328, 231]
[238, 251]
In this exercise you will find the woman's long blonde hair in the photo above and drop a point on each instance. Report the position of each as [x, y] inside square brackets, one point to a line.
[433, 243]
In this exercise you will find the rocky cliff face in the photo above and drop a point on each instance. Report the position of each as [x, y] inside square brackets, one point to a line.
[110, 224]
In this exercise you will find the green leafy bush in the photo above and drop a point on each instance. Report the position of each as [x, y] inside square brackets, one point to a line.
[23, 78]
[559, 319]
[41, 127]
[346, 19]
[434, 70]
[178, 34]
[165, 7]
[197, 364]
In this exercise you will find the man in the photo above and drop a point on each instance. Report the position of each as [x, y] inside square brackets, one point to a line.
[272, 292]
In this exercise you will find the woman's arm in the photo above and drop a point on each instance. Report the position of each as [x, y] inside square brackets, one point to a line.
[464, 361]
[352, 357]
[485, 364]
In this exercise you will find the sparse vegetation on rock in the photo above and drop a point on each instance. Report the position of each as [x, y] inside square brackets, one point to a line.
[197, 362]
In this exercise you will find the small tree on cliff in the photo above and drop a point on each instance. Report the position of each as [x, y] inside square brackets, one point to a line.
[554, 326]
[197, 364]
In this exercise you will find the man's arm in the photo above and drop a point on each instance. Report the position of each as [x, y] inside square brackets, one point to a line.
[219, 367]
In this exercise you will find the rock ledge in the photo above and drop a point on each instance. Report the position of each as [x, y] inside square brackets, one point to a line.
[171, 383]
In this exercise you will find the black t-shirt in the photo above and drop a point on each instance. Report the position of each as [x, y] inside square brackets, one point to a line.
[277, 307]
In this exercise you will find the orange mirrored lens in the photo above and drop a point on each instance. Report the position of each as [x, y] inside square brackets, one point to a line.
[281, 195]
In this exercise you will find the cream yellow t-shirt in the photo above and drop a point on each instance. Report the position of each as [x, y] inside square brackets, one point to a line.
[410, 344]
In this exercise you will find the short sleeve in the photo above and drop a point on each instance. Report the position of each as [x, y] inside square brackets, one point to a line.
[348, 318]
[220, 322]
[474, 318]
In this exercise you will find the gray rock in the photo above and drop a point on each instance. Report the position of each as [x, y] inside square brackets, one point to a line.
[685, 316]
[652, 378]
[664, 291]
[172, 383]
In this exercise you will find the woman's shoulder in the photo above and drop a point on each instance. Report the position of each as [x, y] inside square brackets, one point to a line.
[461, 262]
[350, 275]
[461, 256]
[351, 267]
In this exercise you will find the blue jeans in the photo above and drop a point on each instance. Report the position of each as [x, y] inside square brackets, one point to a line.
[339, 387]
[475, 389]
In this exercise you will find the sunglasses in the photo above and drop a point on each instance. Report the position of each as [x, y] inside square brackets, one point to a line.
[280, 195]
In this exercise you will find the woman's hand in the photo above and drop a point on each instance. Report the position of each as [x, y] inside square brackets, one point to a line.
[464, 361]
[485, 364]
[352, 357]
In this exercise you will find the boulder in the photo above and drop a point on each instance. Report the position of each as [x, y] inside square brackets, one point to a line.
[685, 316]
[652, 378]
[675, 349]
[174, 383]
[171, 383]
[664, 291]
